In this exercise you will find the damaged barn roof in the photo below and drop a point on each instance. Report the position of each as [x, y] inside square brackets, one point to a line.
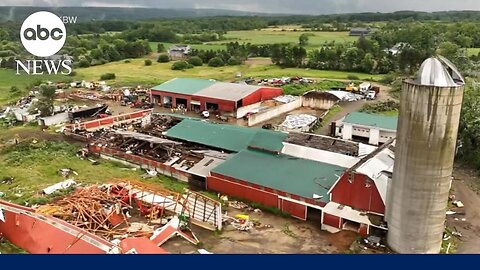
[227, 137]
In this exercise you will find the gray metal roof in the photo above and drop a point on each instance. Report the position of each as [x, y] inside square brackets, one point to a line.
[438, 71]
[227, 91]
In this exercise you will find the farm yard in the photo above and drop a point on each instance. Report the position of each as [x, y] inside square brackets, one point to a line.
[312, 104]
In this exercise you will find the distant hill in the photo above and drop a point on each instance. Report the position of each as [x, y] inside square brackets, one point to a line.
[115, 13]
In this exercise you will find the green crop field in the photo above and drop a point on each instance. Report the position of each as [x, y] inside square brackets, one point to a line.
[135, 72]
[269, 36]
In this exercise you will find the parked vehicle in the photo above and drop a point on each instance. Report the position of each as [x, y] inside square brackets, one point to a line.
[371, 95]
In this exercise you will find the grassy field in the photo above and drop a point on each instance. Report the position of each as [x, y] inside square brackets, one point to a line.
[136, 72]
[34, 164]
[473, 51]
[269, 36]
[8, 78]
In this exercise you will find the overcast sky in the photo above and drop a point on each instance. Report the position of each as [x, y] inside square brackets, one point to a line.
[270, 6]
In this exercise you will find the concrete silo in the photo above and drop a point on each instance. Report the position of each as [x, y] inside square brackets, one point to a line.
[424, 152]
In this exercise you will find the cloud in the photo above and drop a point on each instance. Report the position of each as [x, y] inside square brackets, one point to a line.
[270, 6]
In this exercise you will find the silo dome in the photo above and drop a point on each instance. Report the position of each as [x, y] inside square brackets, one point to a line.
[440, 72]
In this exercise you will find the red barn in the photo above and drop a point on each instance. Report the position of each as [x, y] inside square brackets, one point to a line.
[200, 94]
[358, 198]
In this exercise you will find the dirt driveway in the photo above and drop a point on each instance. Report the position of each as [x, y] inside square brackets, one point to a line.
[286, 235]
[470, 228]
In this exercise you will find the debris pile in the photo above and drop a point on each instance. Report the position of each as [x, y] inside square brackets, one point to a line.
[285, 98]
[92, 208]
[124, 210]
[298, 122]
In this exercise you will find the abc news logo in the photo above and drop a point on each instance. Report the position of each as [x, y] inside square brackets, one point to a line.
[43, 34]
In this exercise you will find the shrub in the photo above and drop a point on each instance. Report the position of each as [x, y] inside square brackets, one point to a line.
[233, 61]
[163, 58]
[216, 62]
[181, 65]
[148, 62]
[127, 61]
[83, 63]
[388, 78]
[353, 77]
[196, 61]
[107, 76]
[160, 47]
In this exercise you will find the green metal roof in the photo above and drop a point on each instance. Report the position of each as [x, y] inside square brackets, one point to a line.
[375, 120]
[228, 137]
[184, 86]
[292, 175]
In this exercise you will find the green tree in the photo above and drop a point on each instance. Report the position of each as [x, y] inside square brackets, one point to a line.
[195, 60]
[108, 76]
[181, 65]
[148, 62]
[303, 39]
[45, 102]
[83, 63]
[368, 63]
[160, 47]
[448, 50]
[163, 58]
[216, 62]
[469, 129]
[233, 61]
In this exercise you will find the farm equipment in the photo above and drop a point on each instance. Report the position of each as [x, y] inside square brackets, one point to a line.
[351, 87]
[142, 104]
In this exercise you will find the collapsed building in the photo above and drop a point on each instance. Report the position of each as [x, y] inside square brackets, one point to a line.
[339, 183]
